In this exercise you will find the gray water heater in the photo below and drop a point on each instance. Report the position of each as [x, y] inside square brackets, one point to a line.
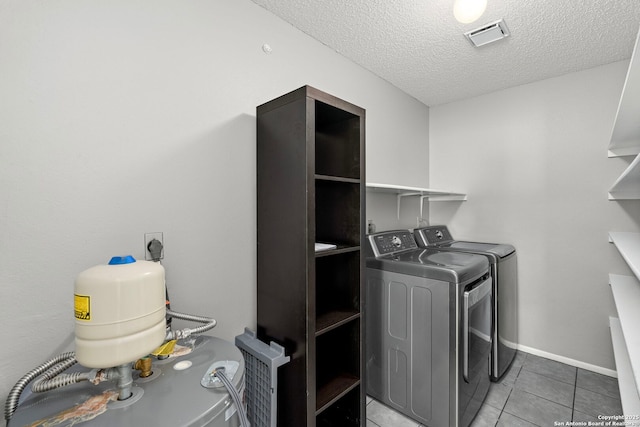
[180, 392]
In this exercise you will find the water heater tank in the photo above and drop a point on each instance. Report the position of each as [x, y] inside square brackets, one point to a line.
[173, 396]
[119, 311]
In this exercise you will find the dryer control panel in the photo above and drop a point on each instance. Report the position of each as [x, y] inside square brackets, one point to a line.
[389, 242]
[433, 235]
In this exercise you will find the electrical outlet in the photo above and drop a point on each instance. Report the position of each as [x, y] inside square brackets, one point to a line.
[148, 237]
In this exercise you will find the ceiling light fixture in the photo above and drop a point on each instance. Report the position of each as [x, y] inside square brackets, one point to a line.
[467, 11]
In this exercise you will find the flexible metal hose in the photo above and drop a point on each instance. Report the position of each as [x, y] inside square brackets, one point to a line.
[43, 383]
[242, 414]
[46, 384]
[14, 395]
[209, 323]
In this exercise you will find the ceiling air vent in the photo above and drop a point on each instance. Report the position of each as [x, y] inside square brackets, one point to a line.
[488, 33]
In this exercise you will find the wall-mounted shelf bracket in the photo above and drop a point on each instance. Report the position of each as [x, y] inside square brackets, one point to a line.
[399, 202]
[629, 246]
[626, 187]
[624, 151]
[625, 140]
[423, 193]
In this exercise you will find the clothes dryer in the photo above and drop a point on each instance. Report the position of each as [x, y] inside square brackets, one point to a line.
[428, 326]
[503, 265]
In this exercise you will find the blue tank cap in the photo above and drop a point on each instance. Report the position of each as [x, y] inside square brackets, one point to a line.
[127, 259]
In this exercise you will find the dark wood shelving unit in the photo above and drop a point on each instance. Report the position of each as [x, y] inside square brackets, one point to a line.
[311, 188]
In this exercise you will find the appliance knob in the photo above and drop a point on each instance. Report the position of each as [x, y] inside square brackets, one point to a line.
[395, 241]
[439, 235]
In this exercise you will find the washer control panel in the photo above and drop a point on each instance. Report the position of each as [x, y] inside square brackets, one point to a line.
[388, 242]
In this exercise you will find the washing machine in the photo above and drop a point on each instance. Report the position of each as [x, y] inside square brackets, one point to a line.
[428, 326]
[503, 264]
[173, 395]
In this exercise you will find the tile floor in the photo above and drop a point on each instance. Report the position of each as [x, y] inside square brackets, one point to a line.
[534, 392]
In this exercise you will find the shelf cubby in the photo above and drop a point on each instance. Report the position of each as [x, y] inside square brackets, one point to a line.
[338, 211]
[337, 142]
[345, 410]
[337, 290]
[337, 364]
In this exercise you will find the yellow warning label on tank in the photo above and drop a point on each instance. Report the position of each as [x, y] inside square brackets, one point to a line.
[82, 305]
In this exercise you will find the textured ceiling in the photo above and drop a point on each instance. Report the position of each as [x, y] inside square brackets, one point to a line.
[418, 46]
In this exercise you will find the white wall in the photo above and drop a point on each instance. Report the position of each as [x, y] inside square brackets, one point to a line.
[122, 117]
[533, 160]
[382, 209]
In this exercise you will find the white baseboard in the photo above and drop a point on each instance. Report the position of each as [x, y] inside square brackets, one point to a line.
[568, 361]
